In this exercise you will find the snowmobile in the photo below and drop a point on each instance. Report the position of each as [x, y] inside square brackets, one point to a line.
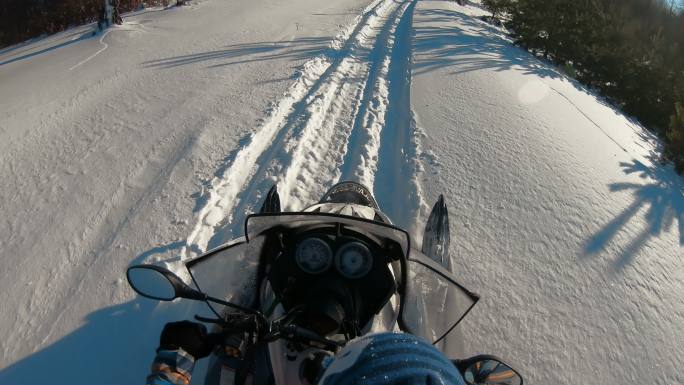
[299, 285]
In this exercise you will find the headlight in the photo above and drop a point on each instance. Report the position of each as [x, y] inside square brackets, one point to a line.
[313, 255]
[353, 260]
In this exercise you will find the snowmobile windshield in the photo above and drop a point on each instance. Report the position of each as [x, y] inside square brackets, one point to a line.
[431, 302]
[232, 271]
[229, 272]
[434, 303]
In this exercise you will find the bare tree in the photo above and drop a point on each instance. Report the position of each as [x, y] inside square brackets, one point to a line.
[116, 17]
[109, 14]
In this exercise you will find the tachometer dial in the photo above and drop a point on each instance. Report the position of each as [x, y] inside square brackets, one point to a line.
[313, 255]
[353, 260]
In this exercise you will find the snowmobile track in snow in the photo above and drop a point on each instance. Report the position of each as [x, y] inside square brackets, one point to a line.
[346, 117]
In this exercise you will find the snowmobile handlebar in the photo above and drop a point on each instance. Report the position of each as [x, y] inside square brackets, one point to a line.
[166, 286]
[296, 333]
[235, 323]
[248, 323]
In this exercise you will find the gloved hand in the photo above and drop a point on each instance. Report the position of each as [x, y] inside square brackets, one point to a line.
[187, 335]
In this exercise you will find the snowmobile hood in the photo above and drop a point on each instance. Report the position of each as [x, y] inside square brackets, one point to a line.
[350, 192]
[351, 210]
[351, 199]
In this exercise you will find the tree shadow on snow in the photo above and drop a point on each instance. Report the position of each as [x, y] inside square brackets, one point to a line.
[49, 45]
[662, 195]
[470, 46]
[297, 49]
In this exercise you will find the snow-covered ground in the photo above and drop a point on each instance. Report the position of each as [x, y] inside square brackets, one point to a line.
[150, 143]
[563, 222]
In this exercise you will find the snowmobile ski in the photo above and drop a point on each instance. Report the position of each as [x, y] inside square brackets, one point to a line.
[272, 202]
[436, 235]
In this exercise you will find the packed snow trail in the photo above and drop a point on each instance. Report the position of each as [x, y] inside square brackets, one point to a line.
[329, 126]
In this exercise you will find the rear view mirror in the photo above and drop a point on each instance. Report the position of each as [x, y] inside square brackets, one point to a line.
[158, 283]
[488, 370]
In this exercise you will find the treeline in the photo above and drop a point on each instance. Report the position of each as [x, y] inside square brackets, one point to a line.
[631, 51]
[21, 20]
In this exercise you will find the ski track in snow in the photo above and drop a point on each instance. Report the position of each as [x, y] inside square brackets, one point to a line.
[105, 45]
[346, 116]
[89, 58]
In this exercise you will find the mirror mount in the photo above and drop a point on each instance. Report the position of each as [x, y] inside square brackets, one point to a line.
[182, 289]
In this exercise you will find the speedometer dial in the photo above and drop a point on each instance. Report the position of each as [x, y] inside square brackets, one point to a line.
[353, 260]
[313, 255]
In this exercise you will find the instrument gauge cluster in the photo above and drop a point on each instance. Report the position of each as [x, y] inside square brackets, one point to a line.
[352, 259]
[313, 255]
[336, 278]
